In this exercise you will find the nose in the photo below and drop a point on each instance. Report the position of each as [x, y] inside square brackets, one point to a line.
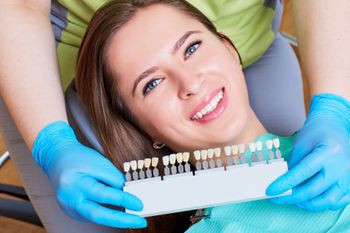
[189, 83]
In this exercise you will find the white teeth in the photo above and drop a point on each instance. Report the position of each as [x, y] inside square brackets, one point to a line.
[208, 108]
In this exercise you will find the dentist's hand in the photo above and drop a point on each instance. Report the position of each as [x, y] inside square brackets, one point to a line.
[319, 171]
[84, 180]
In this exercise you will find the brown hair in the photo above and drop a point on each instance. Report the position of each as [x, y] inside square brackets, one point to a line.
[121, 138]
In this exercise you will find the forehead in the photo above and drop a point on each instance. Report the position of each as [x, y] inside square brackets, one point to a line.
[151, 33]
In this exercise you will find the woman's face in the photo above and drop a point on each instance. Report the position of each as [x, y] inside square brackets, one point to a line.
[184, 86]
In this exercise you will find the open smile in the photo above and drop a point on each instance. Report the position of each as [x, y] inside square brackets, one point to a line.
[211, 108]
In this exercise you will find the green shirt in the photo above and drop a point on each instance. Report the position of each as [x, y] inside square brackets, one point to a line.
[263, 216]
[248, 23]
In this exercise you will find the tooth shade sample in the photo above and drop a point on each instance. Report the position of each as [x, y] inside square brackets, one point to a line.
[179, 157]
[126, 166]
[204, 154]
[172, 158]
[140, 164]
[252, 147]
[235, 149]
[227, 150]
[210, 153]
[276, 143]
[165, 160]
[155, 161]
[217, 152]
[147, 162]
[269, 144]
[258, 145]
[186, 156]
[241, 148]
[133, 165]
[197, 155]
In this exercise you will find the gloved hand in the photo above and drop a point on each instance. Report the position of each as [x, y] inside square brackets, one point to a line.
[319, 171]
[83, 179]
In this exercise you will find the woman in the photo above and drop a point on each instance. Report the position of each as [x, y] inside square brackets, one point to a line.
[181, 86]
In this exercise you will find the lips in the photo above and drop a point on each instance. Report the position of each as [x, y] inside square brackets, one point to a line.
[210, 107]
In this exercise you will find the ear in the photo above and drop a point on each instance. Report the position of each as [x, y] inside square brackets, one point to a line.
[229, 44]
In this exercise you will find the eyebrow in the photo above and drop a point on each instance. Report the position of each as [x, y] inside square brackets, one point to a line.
[153, 69]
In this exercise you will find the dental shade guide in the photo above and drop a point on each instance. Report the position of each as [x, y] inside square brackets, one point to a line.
[210, 157]
[204, 155]
[217, 153]
[148, 170]
[229, 160]
[209, 185]
[186, 157]
[197, 156]
[179, 158]
[154, 165]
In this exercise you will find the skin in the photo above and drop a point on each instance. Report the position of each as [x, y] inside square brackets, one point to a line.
[182, 80]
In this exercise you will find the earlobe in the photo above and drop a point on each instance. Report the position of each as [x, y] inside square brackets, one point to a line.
[229, 44]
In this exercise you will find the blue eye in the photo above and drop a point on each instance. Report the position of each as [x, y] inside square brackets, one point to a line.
[192, 48]
[151, 85]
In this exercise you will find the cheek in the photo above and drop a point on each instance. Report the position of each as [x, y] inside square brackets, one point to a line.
[155, 114]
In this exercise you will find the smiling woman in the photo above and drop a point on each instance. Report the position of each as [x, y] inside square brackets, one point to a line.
[157, 72]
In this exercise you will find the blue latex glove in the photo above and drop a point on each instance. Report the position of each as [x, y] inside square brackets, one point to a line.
[83, 179]
[319, 171]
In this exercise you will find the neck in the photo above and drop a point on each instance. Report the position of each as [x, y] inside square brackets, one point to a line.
[252, 130]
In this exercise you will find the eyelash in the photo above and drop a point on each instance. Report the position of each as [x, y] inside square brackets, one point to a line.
[188, 52]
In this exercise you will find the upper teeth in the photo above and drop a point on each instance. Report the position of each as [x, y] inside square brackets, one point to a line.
[209, 107]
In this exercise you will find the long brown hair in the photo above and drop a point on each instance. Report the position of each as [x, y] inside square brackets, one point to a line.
[121, 138]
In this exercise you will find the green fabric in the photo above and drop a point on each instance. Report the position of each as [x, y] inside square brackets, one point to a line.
[262, 216]
[246, 22]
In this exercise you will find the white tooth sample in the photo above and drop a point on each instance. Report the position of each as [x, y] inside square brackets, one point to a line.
[135, 174]
[269, 144]
[203, 112]
[252, 147]
[210, 153]
[165, 160]
[147, 165]
[126, 169]
[133, 165]
[241, 148]
[179, 157]
[186, 156]
[154, 165]
[210, 156]
[166, 163]
[276, 143]
[140, 164]
[234, 149]
[217, 152]
[197, 154]
[155, 161]
[258, 145]
[227, 150]
[147, 162]
[172, 159]
[269, 147]
[204, 154]
[126, 166]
